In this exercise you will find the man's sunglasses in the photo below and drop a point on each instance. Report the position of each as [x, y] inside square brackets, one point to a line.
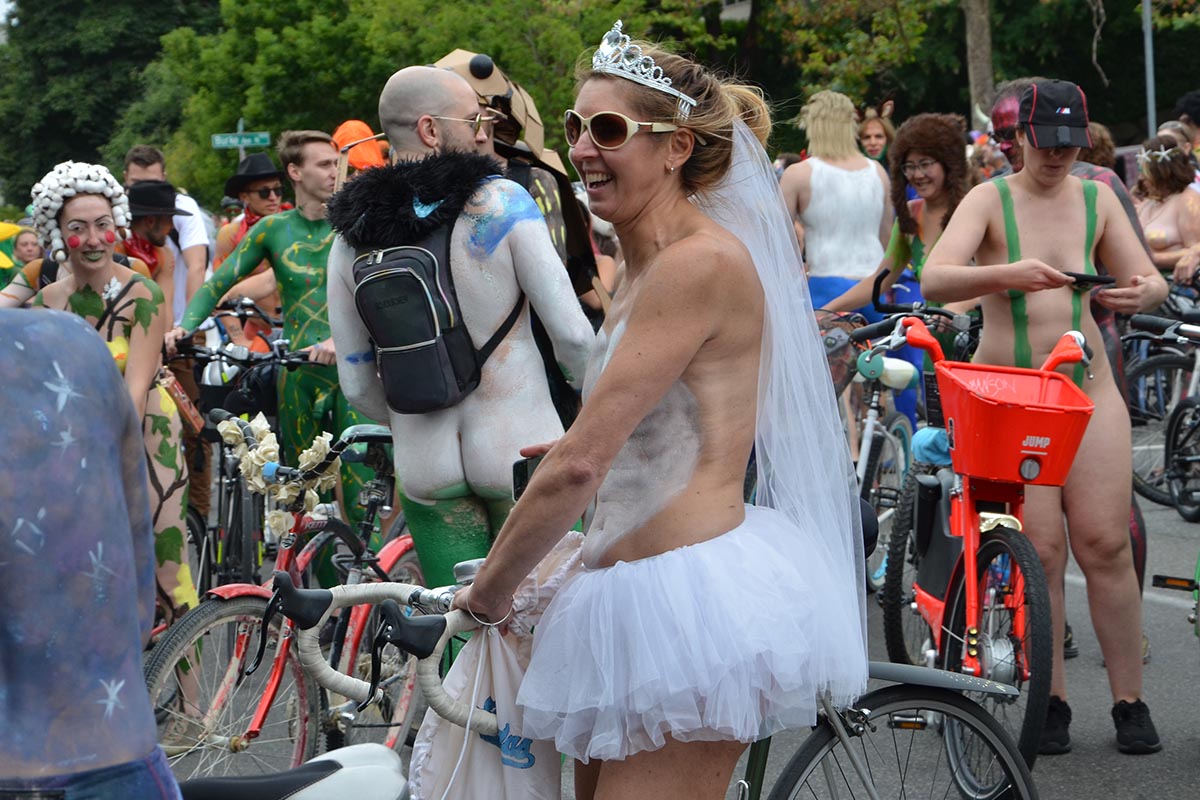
[477, 122]
[266, 192]
[608, 129]
[1004, 135]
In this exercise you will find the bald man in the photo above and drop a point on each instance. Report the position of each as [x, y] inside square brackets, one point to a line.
[455, 464]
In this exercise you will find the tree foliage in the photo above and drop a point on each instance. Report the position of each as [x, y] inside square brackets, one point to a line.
[69, 71]
[87, 81]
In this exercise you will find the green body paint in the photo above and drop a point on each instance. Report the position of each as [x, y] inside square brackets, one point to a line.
[310, 401]
[1022, 352]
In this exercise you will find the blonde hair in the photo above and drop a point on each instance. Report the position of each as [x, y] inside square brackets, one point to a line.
[831, 123]
[720, 101]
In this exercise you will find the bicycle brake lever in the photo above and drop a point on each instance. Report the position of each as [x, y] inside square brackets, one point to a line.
[388, 610]
[274, 605]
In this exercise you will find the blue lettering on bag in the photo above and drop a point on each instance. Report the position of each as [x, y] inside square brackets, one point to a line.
[514, 750]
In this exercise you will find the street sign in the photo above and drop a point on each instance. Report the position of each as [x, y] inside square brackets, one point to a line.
[231, 141]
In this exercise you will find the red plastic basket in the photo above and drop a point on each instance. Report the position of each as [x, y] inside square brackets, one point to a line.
[1010, 424]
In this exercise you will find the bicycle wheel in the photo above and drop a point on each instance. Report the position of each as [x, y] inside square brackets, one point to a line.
[395, 719]
[889, 457]
[915, 742]
[905, 632]
[205, 702]
[1155, 385]
[1014, 633]
[200, 555]
[1182, 458]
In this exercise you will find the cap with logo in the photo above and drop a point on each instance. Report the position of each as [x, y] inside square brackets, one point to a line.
[1054, 114]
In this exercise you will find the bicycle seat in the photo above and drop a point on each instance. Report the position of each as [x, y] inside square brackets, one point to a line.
[369, 434]
[363, 771]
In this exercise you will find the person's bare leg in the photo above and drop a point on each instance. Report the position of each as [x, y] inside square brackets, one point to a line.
[676, 771]
[1045, 530]
[586, 777]
[1096, 499]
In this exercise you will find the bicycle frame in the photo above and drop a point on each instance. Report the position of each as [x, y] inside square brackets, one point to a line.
[977, 504]
[322, 530]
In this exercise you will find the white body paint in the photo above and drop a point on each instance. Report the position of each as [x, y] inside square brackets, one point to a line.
[655, 464]
[476, 442]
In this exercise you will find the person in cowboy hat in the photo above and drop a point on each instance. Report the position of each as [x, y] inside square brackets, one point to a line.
[258, 184]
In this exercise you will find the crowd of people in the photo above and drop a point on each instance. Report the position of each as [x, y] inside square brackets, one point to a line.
[695, 346]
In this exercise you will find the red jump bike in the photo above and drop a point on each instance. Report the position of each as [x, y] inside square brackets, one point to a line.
[965, 589]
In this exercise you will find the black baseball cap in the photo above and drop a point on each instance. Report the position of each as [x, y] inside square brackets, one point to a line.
[1054, 114]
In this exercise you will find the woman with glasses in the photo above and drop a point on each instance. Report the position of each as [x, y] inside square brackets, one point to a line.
[710, 348]
[840, 197]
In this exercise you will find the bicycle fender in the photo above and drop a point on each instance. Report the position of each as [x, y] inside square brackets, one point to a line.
[232, 590]
[938, 679]
[394, 550]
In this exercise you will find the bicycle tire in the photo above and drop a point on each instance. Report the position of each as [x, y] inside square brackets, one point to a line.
[905, 632]
[905, 745]
[223, 636]
[199, 551]
[1154, 385]
[1001, 654]
[401, 701]
[1182, 442]
[886, 466]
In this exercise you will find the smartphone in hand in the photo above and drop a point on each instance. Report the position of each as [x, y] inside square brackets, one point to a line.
[522, 472]
[1084, 282]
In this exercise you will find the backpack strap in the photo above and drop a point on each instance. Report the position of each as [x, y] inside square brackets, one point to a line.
[491, 344]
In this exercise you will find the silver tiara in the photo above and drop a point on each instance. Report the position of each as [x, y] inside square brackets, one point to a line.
[617, 55]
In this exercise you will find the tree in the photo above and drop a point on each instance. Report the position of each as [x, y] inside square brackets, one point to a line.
[979, 51]
[70, 70]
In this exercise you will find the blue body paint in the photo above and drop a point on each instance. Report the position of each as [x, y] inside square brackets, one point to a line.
[365, 357]
[488, 230]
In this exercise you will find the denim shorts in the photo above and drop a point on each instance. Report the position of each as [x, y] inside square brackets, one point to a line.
[148, 778]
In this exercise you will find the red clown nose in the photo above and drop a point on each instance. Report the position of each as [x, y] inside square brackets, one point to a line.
[73, 241]
[110, 237]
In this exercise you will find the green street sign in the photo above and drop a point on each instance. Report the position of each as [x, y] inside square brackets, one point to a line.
[232, 141]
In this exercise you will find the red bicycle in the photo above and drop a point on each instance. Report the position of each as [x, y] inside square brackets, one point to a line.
[965, 589]
[215, 718]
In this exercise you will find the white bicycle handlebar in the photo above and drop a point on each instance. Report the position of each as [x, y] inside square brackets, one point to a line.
[309, 651]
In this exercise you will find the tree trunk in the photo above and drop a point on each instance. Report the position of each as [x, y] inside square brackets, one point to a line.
[979, 53]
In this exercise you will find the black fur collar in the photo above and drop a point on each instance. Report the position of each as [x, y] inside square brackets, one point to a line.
[375, 209]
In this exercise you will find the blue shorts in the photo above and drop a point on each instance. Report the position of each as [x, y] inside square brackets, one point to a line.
[148, 778]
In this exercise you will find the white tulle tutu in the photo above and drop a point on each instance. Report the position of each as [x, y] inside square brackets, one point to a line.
[728, 639]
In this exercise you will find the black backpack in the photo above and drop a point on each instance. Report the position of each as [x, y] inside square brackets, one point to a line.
[423, 350]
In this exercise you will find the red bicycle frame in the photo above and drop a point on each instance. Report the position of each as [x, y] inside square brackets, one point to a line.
[294, 564]
[1014, 426]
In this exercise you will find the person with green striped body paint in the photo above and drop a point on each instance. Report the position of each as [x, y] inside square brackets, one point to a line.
[1011, 242]
[296, 244]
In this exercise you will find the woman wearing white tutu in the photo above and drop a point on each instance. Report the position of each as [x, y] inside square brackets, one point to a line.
[698, 624]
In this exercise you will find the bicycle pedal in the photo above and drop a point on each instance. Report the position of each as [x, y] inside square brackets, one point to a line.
[1179, 584]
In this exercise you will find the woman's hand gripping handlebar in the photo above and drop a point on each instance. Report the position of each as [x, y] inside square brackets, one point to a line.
[423, 636]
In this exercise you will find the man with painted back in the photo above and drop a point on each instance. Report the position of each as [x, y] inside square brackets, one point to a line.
[455, 464]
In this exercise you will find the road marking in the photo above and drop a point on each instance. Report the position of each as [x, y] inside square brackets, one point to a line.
[1161, 597]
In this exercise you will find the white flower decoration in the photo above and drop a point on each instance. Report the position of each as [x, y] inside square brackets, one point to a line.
[111, 289]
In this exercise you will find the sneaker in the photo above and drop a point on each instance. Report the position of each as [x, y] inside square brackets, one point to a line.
[1135, 730]
[1070, 649]
[1056, 732]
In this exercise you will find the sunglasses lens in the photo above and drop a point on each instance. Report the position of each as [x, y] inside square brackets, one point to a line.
[572, 124]
[609, 130]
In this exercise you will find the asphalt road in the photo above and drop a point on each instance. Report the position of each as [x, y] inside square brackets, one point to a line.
[1094, 768]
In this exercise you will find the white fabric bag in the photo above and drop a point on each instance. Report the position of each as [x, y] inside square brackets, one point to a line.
[507, 766]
